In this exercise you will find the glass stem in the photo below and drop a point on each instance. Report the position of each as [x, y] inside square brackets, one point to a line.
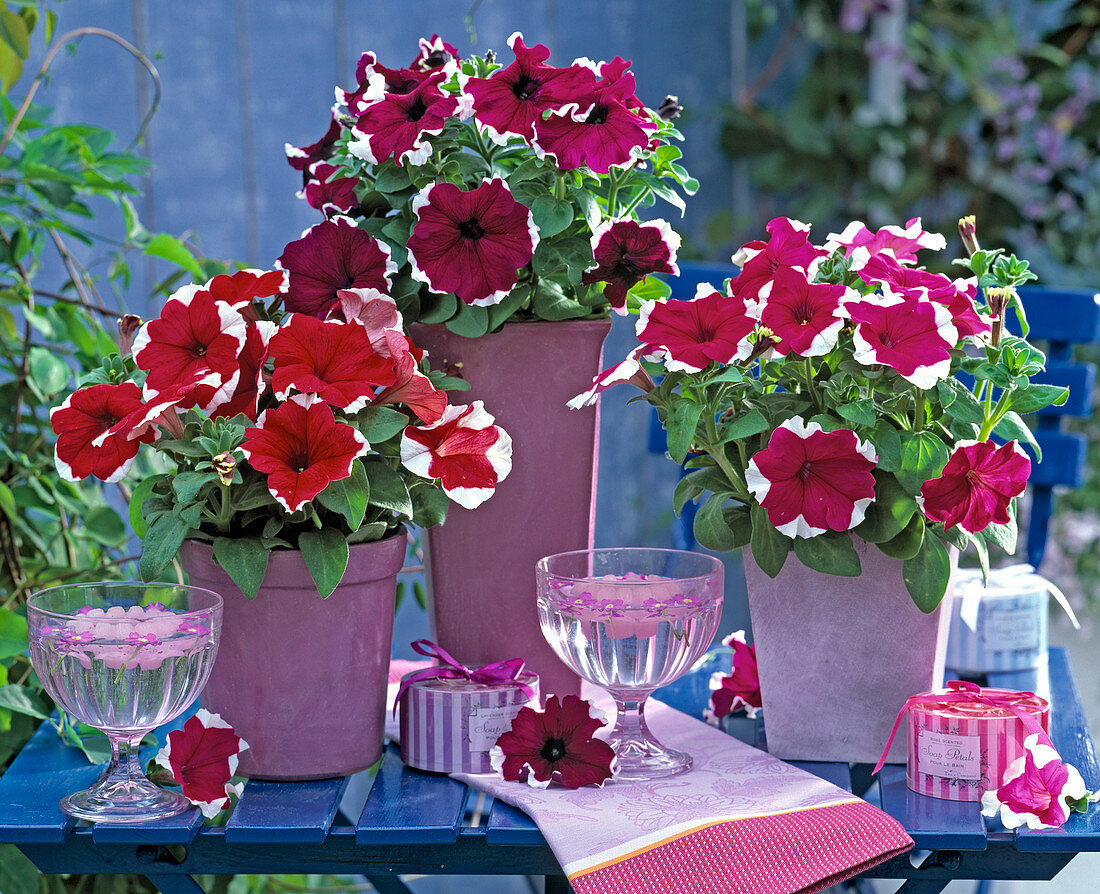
[630, 725]
[125, 763]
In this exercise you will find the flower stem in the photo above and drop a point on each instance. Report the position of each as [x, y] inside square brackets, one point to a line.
[225, 511]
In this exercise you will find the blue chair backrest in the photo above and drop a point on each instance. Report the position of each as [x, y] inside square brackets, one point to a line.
[1058, 320]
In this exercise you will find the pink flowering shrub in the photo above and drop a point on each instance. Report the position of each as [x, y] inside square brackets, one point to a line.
[494, 191]
[815, 397]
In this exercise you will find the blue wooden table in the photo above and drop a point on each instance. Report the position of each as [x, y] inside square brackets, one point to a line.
[418, 823]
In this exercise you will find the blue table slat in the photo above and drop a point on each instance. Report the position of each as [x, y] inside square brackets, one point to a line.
[43, 773]
[839, 775]
[1069, 732]
[407, 806]
[179, 829]
[291, 812]
[932, 823]
[509, 825]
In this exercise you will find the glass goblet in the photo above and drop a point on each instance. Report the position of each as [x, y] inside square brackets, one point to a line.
[631, 620]
[125, 658]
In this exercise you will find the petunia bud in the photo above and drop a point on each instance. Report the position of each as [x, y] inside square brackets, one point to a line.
[670, 109]
[224, 464]
[490, 56]
[765, 341]
[997, 299]
[968, 231]
[127, 329]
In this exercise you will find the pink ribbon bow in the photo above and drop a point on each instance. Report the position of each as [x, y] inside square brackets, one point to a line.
[960, 692]
[450, 669]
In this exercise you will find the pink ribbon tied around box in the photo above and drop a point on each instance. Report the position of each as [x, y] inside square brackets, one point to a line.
[451, 669]
[963, 739]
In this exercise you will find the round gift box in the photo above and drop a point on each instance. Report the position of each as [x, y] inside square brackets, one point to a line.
[960, 749]
[999, 627]
[448, 726]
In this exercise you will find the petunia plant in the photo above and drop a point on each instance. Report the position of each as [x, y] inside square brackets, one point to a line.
[839, 392]
[476, 193]
[276, 430]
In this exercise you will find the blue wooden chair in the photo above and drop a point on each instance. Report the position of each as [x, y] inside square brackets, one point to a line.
[1059, 319]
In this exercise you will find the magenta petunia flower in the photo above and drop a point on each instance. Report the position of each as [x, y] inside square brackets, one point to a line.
[202, 758]
[195, 335]
[471, 242]
[910, 335]
[331, 359]
[1036, 789]
[302, 449]
[740, 691]
[626, 252]
[333, 255]
[900, 243]
[977, 485]
[956, 295]
[304, 157]
[396, 126]
[788, 246]
[555, 745]
[332, 196]
[512, 99]
[804, 317]
[374, 81]
[600, 130]
[627, 370]
[692, 334]
[811, 481]
[84, 418]
[463, 450]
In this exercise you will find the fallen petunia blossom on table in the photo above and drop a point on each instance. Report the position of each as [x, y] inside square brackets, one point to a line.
[740, 690]
[202, 759]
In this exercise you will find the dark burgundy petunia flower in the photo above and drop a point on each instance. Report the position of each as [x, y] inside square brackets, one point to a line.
[333, 255]
[511, 100]
[472, 242]
[977, 486]
[329, 195]
[84, 418]
[600, 131]
[626, 252]
[302, 449]
[302, 158]
[555, 744]
[740, 691]
[202, 758]
[331, 359]
[374, 80]
[435, 53]
[395, 126]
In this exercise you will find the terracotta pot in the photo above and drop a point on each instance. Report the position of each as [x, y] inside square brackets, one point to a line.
[838, 656]
[300, 678]
[482, 562]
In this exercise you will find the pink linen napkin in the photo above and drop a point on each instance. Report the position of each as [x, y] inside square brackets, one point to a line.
[739, 822]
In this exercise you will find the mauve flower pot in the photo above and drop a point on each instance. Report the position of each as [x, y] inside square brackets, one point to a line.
[300, 678]
[838, 656]
[481, 562]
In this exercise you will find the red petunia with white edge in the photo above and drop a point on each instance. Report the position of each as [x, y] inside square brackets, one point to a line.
[464, 450]
[627, 252]
[692, 334]
[195, 335]
[202, 758]
[84, 418]
[302, 449]
[977, 486]
[329, 358]
[811, 481]
[628, 370]
[804, 317]
[909, 334]
[471, 242]
[900, 243]
[788, 245]
[412, 388]
[241, 288]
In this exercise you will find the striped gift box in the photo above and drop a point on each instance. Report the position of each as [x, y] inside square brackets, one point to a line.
[958, 750]
[448, 726]
[999, 627]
